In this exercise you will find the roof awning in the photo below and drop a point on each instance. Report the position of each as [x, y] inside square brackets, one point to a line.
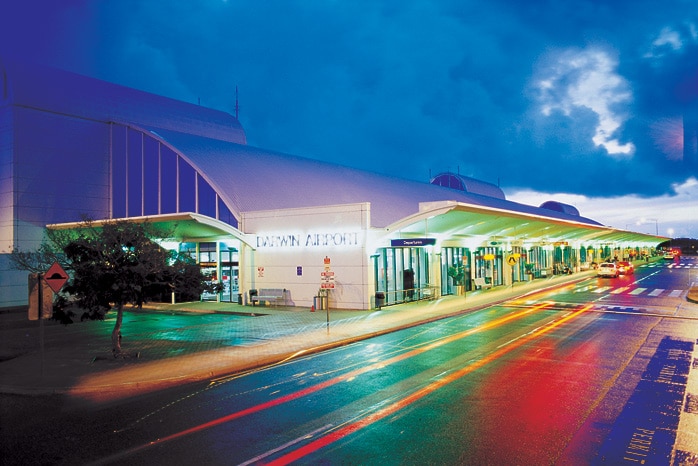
[184, 227]
[458, 220]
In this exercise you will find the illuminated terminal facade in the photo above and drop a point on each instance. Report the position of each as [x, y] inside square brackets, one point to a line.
[74, 147]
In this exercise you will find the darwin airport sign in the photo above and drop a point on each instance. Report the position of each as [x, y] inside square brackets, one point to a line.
[307, 240]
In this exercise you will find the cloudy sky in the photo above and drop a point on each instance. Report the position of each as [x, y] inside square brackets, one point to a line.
[584, 102]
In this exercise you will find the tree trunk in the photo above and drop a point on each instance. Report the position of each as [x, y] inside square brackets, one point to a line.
[116, 333]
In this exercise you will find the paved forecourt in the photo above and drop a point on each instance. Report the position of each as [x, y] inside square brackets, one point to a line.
[170, 344]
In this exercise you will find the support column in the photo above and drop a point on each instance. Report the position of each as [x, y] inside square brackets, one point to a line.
[218, 269]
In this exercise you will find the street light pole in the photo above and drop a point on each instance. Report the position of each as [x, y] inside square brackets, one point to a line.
[656, 224]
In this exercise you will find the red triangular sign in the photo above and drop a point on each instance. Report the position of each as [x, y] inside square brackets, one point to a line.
[56, 277]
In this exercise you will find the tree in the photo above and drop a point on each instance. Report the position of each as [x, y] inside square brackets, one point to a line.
[116, 264]
[184, 278]
[50, 251]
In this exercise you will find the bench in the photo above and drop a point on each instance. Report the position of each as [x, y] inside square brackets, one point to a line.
[481, 283]
[428, 292]
[271, 295]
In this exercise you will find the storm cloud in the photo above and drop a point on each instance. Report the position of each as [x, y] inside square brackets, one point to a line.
[580, 98]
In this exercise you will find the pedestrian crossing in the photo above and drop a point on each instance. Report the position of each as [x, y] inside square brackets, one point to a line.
[672, 265]
[630, 291]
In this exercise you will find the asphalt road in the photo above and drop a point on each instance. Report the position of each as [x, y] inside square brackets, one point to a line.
[593, 373]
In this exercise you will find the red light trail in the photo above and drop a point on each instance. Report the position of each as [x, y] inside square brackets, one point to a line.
[400, 404]
[342, 378]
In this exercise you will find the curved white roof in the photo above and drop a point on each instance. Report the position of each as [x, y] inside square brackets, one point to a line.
[253, 179]
[66, 93]
[467, 184]
[246, 178]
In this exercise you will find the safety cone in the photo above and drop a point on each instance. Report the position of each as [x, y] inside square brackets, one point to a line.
[312, 308]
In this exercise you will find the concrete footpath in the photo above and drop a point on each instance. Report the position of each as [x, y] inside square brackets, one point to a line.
[172, 344]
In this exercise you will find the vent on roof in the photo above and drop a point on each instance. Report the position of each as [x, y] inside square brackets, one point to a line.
[469, 185]
[560, 207]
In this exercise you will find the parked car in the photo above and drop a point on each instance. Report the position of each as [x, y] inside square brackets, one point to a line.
[607, 269]
[625, 268]
[669, 256]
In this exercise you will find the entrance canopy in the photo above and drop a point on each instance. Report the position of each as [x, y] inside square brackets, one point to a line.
[184, 227]
[457, 220]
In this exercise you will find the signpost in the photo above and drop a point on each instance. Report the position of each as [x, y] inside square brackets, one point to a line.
[41, 298]
[326, 283]
[327, 278]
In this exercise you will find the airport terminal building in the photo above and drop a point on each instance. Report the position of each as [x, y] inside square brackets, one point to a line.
[261, 221]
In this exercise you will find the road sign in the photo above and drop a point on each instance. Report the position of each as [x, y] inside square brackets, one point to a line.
[40, 299]
[327, 279]
[511, 260]
[56, 277]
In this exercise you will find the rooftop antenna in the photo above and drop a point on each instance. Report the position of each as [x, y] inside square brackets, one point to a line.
[237, 107]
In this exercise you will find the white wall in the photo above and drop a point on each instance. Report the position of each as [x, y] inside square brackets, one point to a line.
[53, 169]
[291, 245]
[6, 181]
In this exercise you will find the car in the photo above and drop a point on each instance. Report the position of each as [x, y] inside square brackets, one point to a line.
[669, 256]
[607, 269]
[625, 268]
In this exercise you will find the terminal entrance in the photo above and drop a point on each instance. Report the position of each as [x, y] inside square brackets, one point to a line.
[402, 274]
[455, 270]
[488, 265]
[220, 262]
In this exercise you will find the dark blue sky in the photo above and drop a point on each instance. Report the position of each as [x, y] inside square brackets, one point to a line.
[578, 100]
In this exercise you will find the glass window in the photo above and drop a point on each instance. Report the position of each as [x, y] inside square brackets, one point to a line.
[151, 177]
[187, 187]
[118, 172]
[401, 273]
[459, 257]
[188, 249]
[168, 180]
[207, 198]
[134, 206]
[225, 215]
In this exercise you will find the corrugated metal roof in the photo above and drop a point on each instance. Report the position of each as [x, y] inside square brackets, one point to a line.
[54, 90]
[247, 178]
[467, 184]
[252, 179]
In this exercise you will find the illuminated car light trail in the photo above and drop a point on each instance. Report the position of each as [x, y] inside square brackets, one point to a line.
[333, 381]
[419, 394]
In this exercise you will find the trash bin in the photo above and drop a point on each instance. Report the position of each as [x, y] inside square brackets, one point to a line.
[320, 303]
[380, 299]
[253, 292]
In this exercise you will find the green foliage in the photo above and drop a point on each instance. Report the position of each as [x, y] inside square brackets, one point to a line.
[50, 251]
[185, 279]
[62, 310]
[114, 264]
[457, 273]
